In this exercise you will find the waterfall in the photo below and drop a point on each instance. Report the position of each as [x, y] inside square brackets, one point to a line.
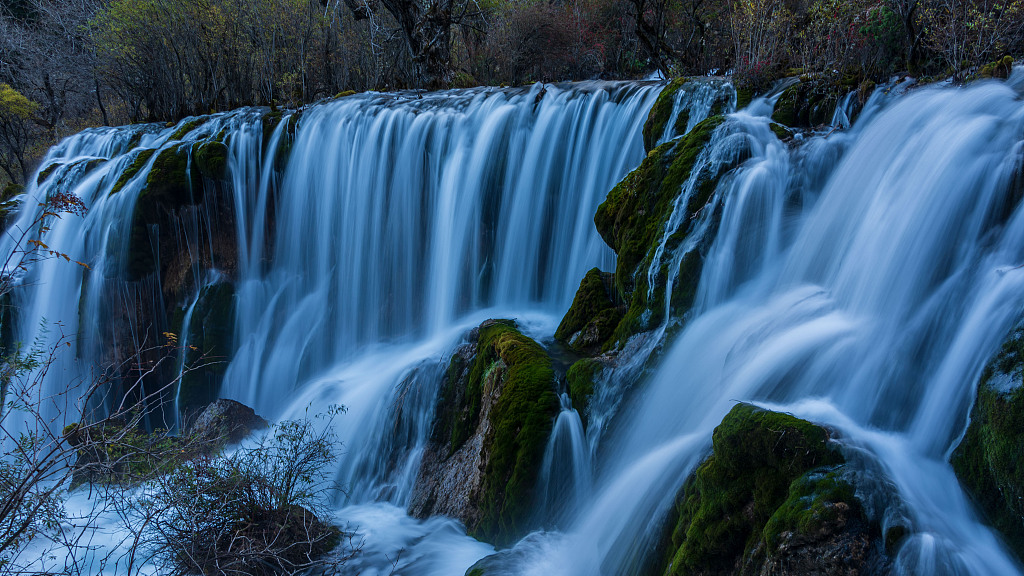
[859, 278]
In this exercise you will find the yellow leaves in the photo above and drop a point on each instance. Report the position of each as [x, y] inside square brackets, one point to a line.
[13, 105]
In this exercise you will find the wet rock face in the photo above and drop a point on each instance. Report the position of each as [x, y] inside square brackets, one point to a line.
[491, 427]
[226, 422]
[449, 483]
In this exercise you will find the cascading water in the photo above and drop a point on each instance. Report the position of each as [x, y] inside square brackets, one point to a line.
[870, 303]
[860, 279]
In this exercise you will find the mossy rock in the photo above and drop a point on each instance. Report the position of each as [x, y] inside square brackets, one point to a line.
[770, 476]
[1001, 68]
[988, 459]
[211, 159]
[46, 172]
[593, 316]
[660, 113]
[10, 199]
[170, 185]
[632, 220]
[209, 340]
[132, 169]
[744, 96]
[170, 182]
[187, 127]
[271, 121]
[581, 379]
[810, 103]
[112, 452]
[518, 369]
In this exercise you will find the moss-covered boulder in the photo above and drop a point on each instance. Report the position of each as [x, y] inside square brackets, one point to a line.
[491, 427]
[811, 103]
[632, 221]
[211, 159]
[208, 344]
[770, 499]
[1001, 68]
[593, 316]
[988, 459]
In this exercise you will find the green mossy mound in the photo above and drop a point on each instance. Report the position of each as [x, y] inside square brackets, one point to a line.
[660, 114]
[771, 478]
[271, 121]
[632, 220]
[209, 341]
[520, 372]
[988, 459]
[593, 316]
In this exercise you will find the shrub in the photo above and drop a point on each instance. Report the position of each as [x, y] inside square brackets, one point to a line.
[256, 511]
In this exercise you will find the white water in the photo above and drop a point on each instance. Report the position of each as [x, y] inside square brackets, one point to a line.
[859, 280]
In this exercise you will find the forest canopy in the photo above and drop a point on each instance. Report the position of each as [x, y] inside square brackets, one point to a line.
[78, 63]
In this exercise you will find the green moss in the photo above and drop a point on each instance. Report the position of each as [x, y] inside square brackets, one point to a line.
[188, 127]
[211, 159]
[128, 173]
[785, 111]
[521, 422]
[987, 461]
[744, 96]
[112, 453]
[9, 200]
[475, 572]
[660, 113]
[809, 505]
[170, 181]
[502, 362]
[633, 217]
[45, 172]
[780, 131]
[762, 476]
[810, 103]
[581, 378]
[344, 94]
[593, 316]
